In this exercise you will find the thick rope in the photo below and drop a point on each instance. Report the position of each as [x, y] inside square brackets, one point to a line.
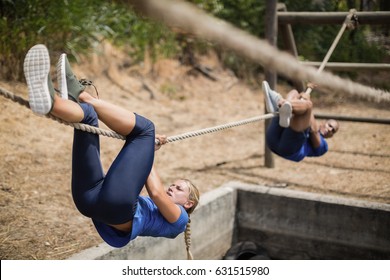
[80, 126]
[349, 22]
[113, 134]
[219, 128]
[192, 20]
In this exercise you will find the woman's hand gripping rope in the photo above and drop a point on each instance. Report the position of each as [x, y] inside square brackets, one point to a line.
[160, 140]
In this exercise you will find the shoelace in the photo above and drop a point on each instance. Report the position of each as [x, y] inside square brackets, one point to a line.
[86, 82]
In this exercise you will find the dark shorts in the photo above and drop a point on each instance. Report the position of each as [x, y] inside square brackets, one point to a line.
[284, 141]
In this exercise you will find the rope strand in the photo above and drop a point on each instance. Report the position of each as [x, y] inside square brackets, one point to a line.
[218, 128]
[347, 24]
[109, 133]
[80, 126]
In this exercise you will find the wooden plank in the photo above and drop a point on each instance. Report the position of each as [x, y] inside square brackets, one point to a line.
[382, 17]
[348, 66]
[353, 119]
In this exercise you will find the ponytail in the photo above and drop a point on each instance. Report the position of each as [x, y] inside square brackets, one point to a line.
[194, 197]
[187, 239]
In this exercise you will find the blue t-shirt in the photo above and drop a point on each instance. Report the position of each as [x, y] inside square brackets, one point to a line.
[148, 221]
[307, 150]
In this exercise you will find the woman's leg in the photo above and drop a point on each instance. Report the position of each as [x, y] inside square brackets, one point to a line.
[127, 175]
[43, 100]
[67, 110]
[87, 171]
[116, 118]
[112, 198]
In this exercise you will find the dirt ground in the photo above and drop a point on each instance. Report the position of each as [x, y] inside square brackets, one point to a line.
[38, 217]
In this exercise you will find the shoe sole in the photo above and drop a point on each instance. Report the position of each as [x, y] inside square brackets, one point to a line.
[36, 68]
[267, 98]
[285, 114]
[61, 77]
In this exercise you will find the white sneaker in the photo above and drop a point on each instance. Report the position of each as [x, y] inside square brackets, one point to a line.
[285, 114]
[61, 76]
[271, 98]
[36, 68]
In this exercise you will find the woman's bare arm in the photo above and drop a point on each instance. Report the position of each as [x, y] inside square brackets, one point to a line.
[157, 193]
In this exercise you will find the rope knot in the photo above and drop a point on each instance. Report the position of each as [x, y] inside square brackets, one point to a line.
[352, 20]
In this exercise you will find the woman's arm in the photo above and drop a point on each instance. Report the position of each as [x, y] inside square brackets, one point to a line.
[157, 193]
[170, 211]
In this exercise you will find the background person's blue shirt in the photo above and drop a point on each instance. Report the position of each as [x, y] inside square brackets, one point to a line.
[307, 150]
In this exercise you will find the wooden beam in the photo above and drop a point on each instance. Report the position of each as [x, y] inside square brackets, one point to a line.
[332, 17]
[353, 119]
[289, 41]
[348, 66]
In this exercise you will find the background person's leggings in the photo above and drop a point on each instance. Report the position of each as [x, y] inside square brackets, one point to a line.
[284, 141]
[110, 198]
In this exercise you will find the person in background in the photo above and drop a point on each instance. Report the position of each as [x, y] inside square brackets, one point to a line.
[294, 133]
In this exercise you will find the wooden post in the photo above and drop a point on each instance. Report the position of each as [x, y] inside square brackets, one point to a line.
[271, 34]
[289, 41]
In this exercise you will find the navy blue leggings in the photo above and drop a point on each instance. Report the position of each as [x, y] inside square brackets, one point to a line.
[110, 198]
[284, 141]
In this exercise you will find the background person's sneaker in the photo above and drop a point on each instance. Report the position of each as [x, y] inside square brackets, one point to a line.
[271, 98]
[285, 114]
[37, 73]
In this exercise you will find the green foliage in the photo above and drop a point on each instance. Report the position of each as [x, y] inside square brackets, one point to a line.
[78, 26]
[75, 27]
[244, 14]
[314, 41]
[27, 22]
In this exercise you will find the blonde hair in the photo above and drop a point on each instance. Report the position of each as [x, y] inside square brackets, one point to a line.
[194, 197]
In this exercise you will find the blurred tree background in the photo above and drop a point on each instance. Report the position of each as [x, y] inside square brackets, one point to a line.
[79, 26]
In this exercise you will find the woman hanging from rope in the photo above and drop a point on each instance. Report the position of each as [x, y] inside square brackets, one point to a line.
[111, 200]
[295, 134]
